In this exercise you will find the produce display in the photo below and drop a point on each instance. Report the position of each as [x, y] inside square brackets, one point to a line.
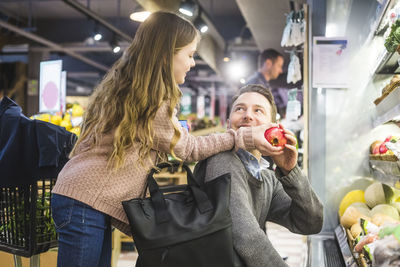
[70, 120]
[393, 84]
[371, 219]
[380, 150]
[393, 40]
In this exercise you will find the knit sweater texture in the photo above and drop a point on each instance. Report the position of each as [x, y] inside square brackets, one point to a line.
[286, 200]
[87, 178]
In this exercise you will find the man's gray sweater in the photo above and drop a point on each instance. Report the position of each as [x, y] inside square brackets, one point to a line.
[285, 200]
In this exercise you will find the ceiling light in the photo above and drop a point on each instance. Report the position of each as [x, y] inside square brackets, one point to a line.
[227, 59]
[114, 45]
[200, 25]
[187, 8]
[97, 37]
[140, 16]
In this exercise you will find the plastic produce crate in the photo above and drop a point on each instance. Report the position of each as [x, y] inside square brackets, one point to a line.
[26, 225]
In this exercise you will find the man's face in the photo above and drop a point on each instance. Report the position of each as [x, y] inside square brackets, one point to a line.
[250, 109]
[276, 67]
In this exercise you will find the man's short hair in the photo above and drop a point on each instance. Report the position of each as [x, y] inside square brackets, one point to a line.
[262, 90]
[271, 54]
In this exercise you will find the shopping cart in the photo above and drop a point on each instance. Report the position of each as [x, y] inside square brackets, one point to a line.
[29, 150]
[26, 225]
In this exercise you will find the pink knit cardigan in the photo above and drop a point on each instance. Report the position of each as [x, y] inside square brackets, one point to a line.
[86, 177]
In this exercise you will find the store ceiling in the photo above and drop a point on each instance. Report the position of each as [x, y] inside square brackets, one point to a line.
[58, 22]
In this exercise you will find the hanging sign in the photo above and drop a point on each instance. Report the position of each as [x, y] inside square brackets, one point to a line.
[50, 86]
[330, 62]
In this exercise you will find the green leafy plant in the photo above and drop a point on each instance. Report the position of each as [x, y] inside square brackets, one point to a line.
[393, 40]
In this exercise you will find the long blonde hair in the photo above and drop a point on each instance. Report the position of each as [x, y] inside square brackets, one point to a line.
[133, 90]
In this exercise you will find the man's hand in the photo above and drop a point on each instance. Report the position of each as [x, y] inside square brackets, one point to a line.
[262, 144]
[287, 160]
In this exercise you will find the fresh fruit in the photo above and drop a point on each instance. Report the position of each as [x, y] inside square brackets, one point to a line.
[76, 130]
[66, 124]
[361, 207]
[77, 110]
[275, 136]
[351, 216]
[386, 210]
[374, 148]
[380, 219]
[350, 198]
[355, 230]
[378, 193]
[44, 117]
[382, 148]
[56, 119]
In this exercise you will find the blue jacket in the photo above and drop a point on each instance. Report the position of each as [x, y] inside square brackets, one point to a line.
[30, 149]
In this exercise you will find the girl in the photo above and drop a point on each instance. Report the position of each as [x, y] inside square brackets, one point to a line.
[129, 125]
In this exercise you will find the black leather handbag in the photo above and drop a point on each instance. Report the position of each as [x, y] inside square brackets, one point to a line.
[184, 225]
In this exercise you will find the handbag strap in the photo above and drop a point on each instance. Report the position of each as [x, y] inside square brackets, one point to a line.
[157, 197]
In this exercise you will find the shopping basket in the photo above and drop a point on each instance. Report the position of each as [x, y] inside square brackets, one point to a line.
[26, 224]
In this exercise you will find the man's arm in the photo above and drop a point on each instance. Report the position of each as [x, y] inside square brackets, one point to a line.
[295, 204]
[250, 241]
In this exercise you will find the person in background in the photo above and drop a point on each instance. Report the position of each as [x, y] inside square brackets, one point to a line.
[270, 64]
[258, 195]
[129, 126]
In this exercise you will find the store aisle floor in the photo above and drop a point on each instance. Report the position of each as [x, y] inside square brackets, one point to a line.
[289, 245]
[127, 259]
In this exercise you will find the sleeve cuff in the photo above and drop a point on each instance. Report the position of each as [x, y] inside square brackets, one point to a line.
[244, 138]
[294, 175]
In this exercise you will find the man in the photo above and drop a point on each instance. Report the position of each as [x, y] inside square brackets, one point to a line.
[258, 194]
[270, 64]
[270, 67]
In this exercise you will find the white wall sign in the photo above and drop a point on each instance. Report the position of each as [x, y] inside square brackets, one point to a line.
[330, 62]
[50, 86]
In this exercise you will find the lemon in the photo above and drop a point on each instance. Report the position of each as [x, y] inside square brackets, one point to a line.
[77, 110]
[56, 119]
[76, 130]
[350, 198]
[66, 124]
[44, 117]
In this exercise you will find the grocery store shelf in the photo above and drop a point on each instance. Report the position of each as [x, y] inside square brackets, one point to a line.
[344, 247]
[387, 172]
[387, 63]
[388, 108]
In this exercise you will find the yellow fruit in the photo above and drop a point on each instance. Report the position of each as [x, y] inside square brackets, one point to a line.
[66, 124]
[56, 119]
[77, 110]
[44, 117]
[67, 117]
[76, 130]
[350, 198]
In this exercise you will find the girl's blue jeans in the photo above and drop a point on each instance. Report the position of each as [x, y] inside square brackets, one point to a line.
[84, 234]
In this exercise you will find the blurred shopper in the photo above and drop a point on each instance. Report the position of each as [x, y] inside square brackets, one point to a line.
[258, 194]
[129, 126]
[270, 64]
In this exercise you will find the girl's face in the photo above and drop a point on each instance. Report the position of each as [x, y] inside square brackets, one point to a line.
[183, 61]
